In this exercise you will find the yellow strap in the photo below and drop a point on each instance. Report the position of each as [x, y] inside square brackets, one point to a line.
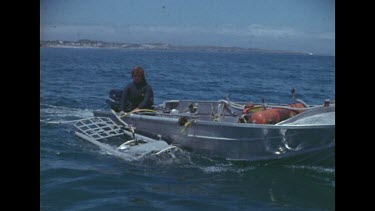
[187, 124]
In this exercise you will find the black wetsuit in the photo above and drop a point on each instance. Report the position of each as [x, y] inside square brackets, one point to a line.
[137, 96]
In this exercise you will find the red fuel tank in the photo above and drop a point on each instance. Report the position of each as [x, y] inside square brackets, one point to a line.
[270, 116]
[275, 115]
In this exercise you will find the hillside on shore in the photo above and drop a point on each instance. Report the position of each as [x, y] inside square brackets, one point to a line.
[157, 46]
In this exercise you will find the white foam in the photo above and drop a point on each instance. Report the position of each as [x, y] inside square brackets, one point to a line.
[314, 168]
[225, 168]
[62, 112]
[321, 119]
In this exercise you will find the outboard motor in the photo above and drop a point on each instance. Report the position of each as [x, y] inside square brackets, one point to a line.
[114, 99]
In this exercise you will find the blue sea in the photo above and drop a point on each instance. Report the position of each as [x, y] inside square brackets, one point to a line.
[77, 175]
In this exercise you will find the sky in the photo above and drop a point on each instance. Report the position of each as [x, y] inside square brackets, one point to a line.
[292, 25]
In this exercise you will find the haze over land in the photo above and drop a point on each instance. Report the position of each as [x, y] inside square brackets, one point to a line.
[157, 46]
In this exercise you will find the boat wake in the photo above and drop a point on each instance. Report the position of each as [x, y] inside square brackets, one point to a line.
[150, 152]
[225, 167]
[61, 113]
[317, 169]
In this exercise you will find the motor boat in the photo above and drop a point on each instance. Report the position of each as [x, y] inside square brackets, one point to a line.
[231, 130]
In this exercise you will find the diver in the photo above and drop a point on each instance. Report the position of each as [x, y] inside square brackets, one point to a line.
[137, 94]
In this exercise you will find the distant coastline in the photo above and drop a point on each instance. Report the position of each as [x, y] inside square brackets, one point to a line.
[158, 46]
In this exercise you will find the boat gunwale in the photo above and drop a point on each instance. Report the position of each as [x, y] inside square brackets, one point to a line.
[214, 123]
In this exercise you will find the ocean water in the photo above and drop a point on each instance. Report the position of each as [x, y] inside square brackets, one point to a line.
[76, 175]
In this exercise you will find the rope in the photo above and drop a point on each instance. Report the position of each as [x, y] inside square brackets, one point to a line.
[295, 109]
[187, 124]
[234, 105]
[140, 110]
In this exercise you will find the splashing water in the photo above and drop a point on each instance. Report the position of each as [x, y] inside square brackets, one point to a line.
[50, 112]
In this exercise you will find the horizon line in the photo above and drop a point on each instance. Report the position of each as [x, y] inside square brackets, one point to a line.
[173, 45]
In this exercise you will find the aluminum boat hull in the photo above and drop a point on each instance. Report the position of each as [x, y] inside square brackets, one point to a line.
[232, 140]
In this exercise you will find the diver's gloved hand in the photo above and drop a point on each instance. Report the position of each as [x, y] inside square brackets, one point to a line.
[122, 113]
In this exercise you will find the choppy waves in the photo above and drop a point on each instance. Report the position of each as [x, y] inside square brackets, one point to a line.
[76, 174]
